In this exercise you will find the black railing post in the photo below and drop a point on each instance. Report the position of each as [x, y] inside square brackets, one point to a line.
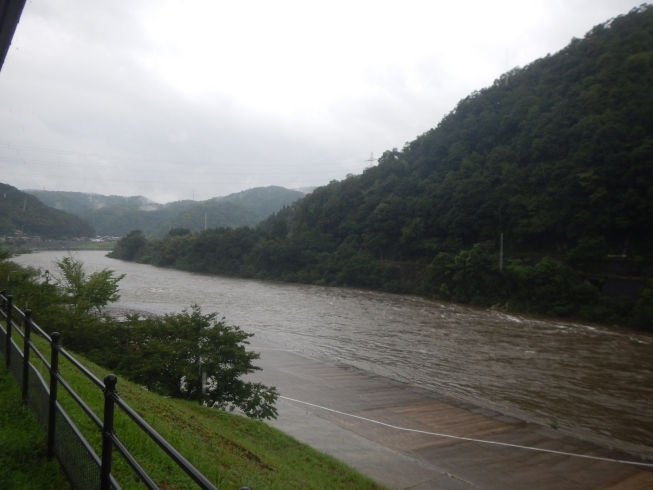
[107, 431]
[52, 406]
[27, 325]
[10, 307]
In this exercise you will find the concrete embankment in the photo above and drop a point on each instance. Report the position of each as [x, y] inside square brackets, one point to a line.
[360, 418]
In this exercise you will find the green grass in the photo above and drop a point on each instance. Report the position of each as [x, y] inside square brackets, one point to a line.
[23, 463]
[230, 450]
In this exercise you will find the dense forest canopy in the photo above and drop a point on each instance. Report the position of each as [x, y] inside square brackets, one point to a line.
[24, 213]
[551, 153]
[557, 157]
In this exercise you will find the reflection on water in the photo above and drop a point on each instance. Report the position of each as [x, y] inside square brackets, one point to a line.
[595, 382]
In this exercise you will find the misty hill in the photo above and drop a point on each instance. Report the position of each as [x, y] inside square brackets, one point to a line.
[264, 200]
[556, 156]
[24, 212]
[82, 204]
[117, 215]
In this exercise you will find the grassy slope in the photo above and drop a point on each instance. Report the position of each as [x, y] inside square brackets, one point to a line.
[23, 464]
[230, 450]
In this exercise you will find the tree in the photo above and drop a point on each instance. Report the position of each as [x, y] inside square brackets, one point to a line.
[179, 232]
[279, 229]
[168, 355]
[129, 247]
[85, 291]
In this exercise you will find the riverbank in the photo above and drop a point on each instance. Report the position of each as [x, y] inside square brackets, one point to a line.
[619, 290]
[230, 450]
[591, 381]
[392, 431]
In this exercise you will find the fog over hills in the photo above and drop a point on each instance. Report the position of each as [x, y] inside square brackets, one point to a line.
[118, 215]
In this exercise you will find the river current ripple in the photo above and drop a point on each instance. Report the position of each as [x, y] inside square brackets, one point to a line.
[592, 381]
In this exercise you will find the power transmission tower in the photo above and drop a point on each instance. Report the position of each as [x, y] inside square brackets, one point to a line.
[371, 160]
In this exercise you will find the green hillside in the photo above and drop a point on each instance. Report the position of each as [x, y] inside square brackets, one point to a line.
[555, 156]
[20, 211]
[549, 154]
[117, 220]
[82, 203]
[211, 215]
[117, 215]
[264, 200]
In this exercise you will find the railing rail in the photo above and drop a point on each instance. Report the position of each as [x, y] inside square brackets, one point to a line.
[84, 468]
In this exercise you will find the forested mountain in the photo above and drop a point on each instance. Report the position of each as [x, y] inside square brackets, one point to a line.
[209, 214]
[117, 215]
[25, 213]
[557, 151]
[82, 204]
[264, 200]
[556, 156]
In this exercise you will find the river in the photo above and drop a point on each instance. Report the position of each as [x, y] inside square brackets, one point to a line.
[594, 382]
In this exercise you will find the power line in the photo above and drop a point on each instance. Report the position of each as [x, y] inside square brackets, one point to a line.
[130, 169]
[88, 135]
[125, 158]
[176, 183]
[84, 154]
[370, 161]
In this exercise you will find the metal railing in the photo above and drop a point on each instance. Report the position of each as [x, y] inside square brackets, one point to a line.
[83, 467]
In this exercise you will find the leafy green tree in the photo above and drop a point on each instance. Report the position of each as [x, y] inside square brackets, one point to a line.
[87, 291]
[550, 287]
[279, 229]
[589, 251]
[168, 355]
[470, 276]
[129, 247]
[643, 309]
[179, 232]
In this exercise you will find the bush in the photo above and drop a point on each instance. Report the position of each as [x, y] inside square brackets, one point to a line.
[168, 354]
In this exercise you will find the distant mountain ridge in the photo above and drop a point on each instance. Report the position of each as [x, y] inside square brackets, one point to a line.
[264, 200]
[21, 211]
[83, 203]
[118, 215]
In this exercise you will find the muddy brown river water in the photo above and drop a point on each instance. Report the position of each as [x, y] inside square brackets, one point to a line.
[591, 381]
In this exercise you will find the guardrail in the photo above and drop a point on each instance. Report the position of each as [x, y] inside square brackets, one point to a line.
[83, 467]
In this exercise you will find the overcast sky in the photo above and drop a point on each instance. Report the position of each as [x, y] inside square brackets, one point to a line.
[180, 99]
